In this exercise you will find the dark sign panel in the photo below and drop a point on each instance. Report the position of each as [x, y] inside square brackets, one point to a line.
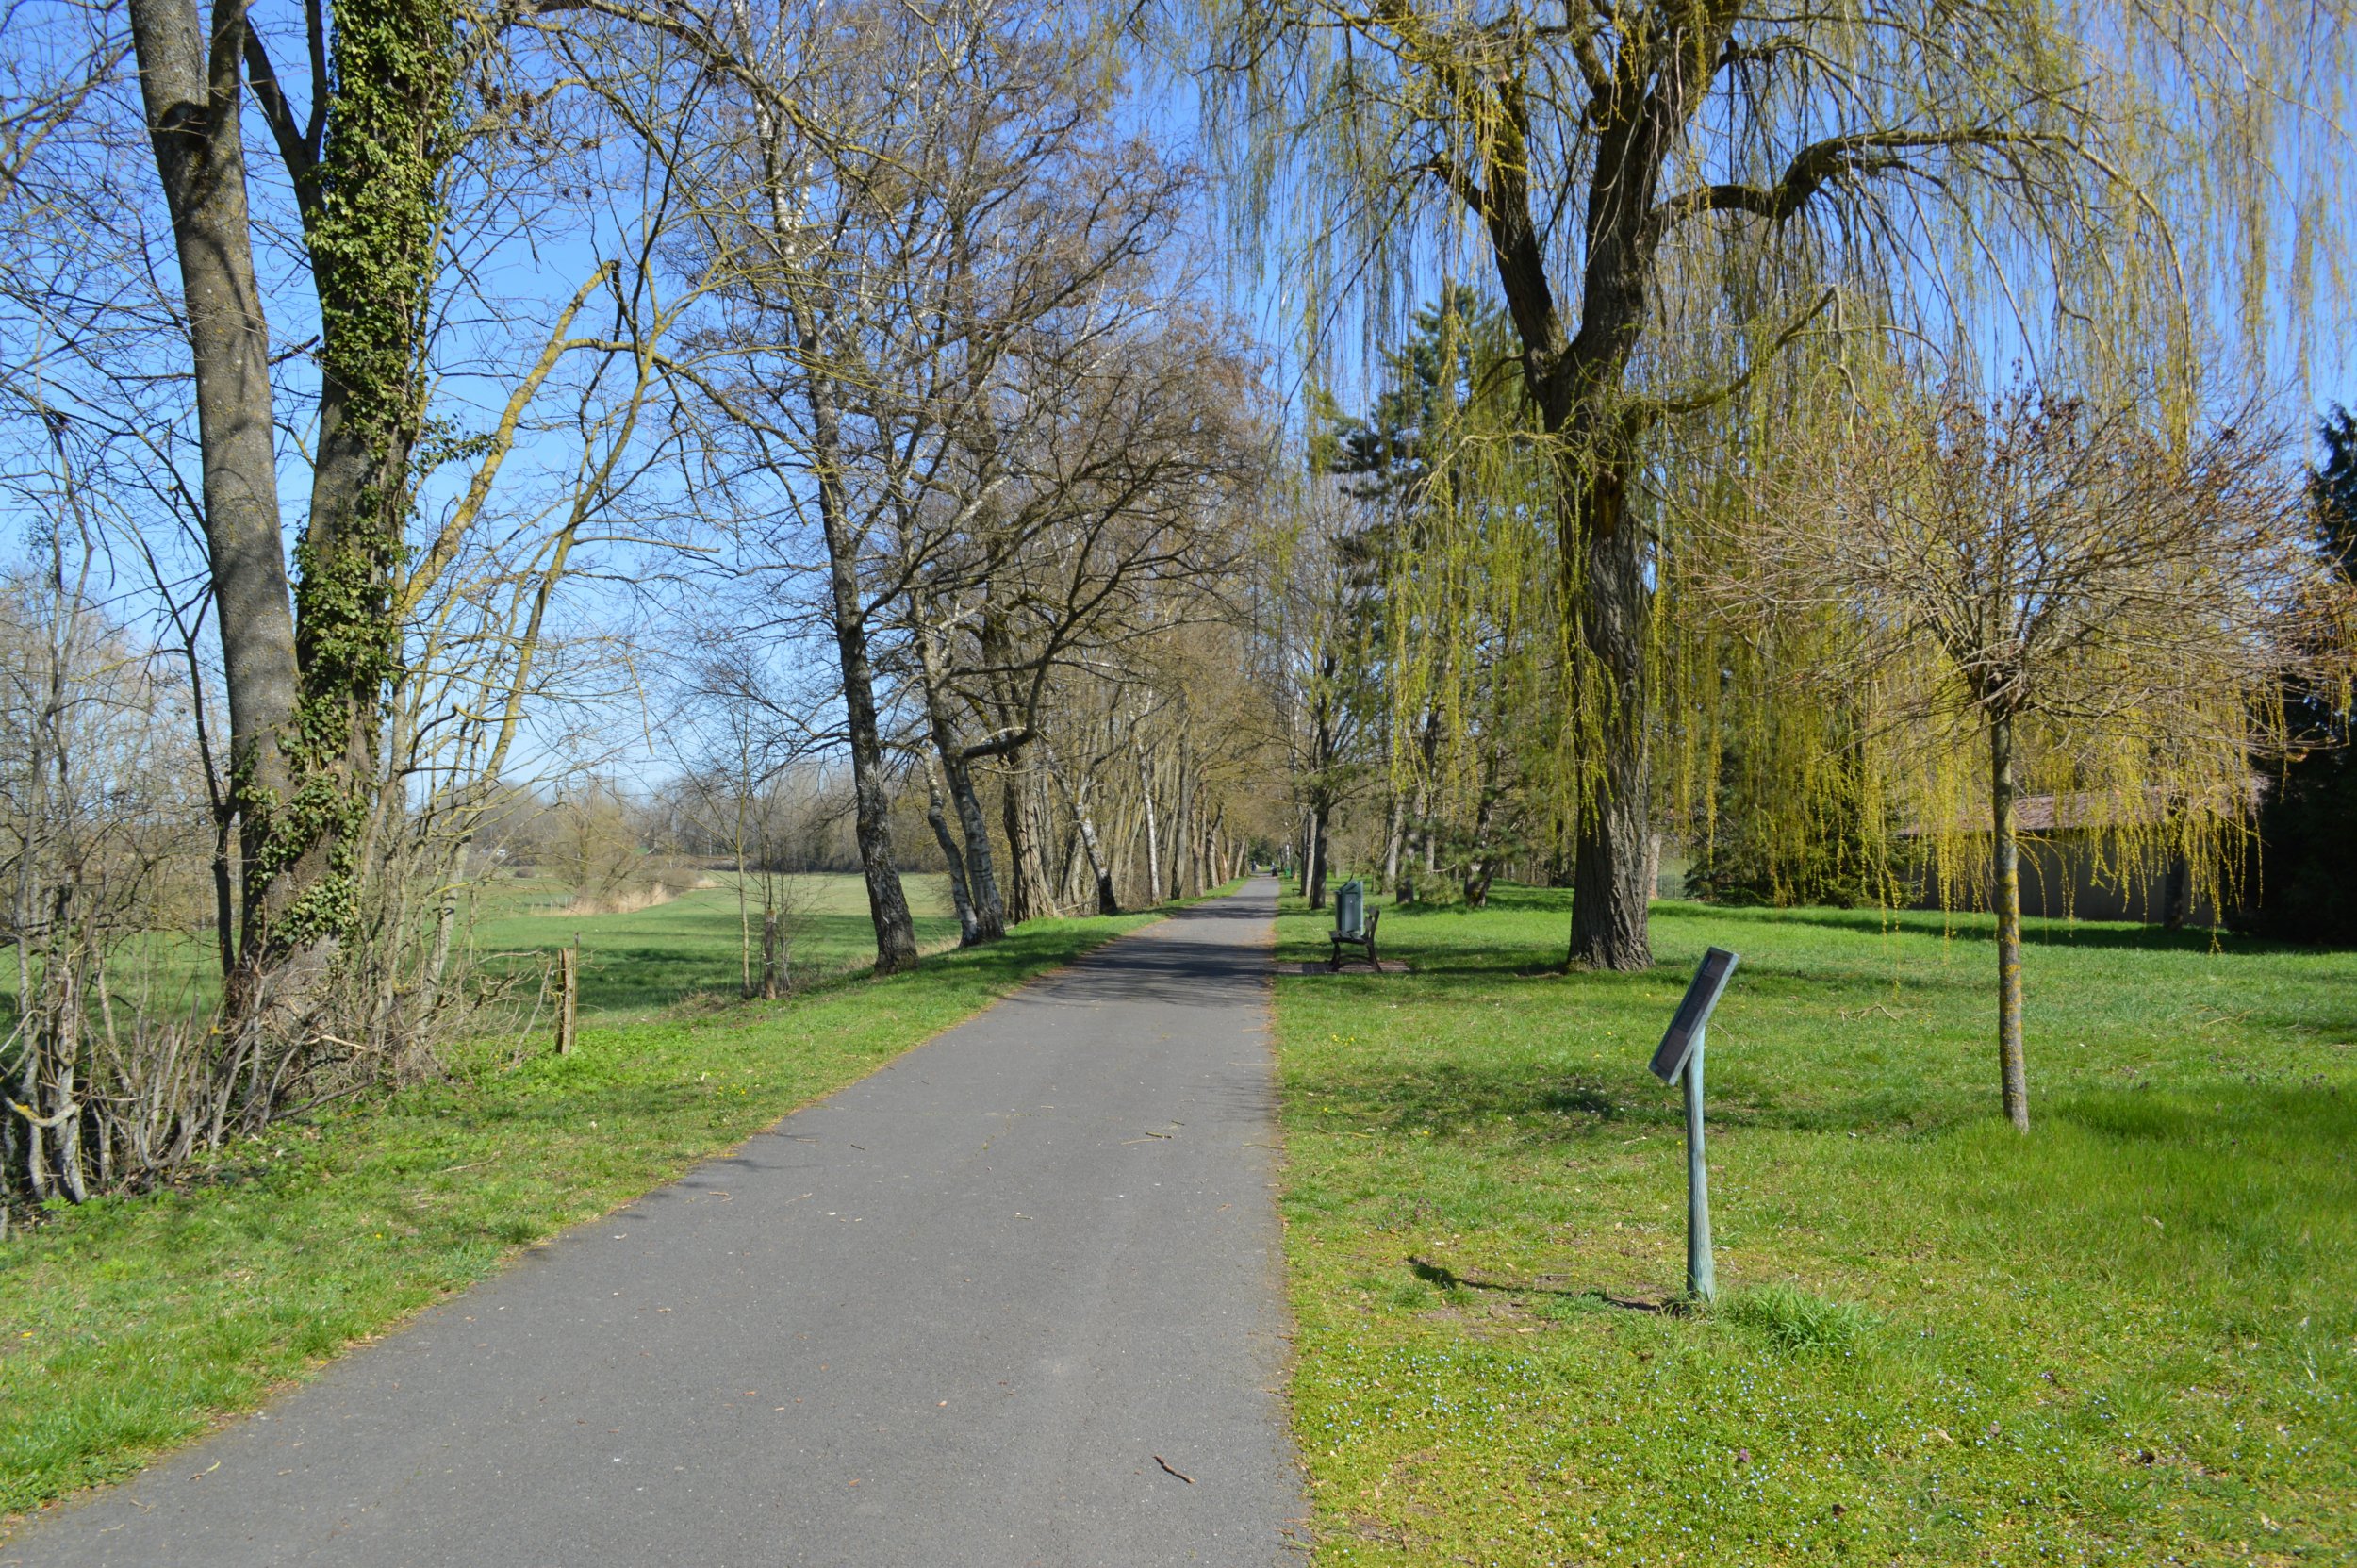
[1710, 978]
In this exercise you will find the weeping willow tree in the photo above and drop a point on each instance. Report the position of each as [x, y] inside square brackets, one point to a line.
[1673, 196]
[1462, 616]
[2044, 598]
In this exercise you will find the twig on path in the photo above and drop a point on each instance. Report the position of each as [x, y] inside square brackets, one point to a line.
[1174, 1470]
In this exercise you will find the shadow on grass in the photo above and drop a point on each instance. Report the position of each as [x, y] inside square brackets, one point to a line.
[1976, 926]
[626, 971]
[1962, 925]
[1542, 1107]
[2317, 1125]
[1446, 1277]
[1546, 1112]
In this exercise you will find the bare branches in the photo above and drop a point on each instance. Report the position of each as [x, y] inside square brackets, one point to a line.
[1824, 164]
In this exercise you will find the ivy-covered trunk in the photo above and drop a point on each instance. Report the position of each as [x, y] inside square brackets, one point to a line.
[372, 226]
[307, 670]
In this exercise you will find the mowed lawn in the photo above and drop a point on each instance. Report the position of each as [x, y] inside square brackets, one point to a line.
[130, 1325]
[2129, 1338]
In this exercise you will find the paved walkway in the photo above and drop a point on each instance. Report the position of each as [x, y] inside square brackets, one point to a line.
[963, 1312]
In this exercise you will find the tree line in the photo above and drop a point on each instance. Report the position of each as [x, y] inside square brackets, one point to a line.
[418, 392]
[1799, 438]
[405, 398]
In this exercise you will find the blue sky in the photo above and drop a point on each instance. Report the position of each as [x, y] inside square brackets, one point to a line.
[520, 263]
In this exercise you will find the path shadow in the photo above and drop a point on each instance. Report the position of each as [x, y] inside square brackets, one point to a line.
[1194, 958]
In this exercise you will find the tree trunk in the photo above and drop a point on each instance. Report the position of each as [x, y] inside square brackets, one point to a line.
[1575, 380]
[1108, 902]
[1315, 883]
[772, 954]
[1027, 895]
[981, 881]
[1084, 823]
[1610, 901]
[1037, 813]
[1073, 878]
[967, 926]
[2012, 1070]
[1180, 827]
[1153, 840]
[871, 827]
[193, 97]
[744, 909]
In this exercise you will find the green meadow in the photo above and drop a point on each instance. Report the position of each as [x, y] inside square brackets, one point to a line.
[650, 958]
[635, 962]
[2130, 1337]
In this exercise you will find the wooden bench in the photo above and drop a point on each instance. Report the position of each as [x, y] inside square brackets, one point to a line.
[1364, 939]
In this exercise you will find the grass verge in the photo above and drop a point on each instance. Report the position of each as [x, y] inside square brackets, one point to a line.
[130, 1325]
[2131, 1337]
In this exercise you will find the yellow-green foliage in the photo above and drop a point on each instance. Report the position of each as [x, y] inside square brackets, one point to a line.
[2114, 191]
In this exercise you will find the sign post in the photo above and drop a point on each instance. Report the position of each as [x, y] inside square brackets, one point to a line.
[1679, 1059]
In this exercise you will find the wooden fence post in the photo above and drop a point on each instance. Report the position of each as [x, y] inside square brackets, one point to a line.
[568, 989]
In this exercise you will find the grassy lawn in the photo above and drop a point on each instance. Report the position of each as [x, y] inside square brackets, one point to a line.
[128, 1326]
[632, 963]
[2130, 1338]
[637, 963]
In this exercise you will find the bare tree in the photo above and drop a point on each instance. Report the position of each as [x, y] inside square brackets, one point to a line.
[1109, 478]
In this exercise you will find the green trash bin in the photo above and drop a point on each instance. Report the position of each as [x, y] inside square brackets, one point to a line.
[1350, 909]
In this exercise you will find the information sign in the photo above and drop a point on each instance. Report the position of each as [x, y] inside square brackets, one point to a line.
[1710, 978]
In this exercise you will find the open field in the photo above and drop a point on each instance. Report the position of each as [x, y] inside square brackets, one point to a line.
[651, 958]
[635, 962]
[129, 1324]
[2130, 1338]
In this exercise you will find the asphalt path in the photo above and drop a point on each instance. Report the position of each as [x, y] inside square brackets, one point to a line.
[987, 1306]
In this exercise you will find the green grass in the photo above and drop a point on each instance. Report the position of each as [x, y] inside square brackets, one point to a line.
[633, 964]
[636, 963]
[129, 1325]
[2129, 1338]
